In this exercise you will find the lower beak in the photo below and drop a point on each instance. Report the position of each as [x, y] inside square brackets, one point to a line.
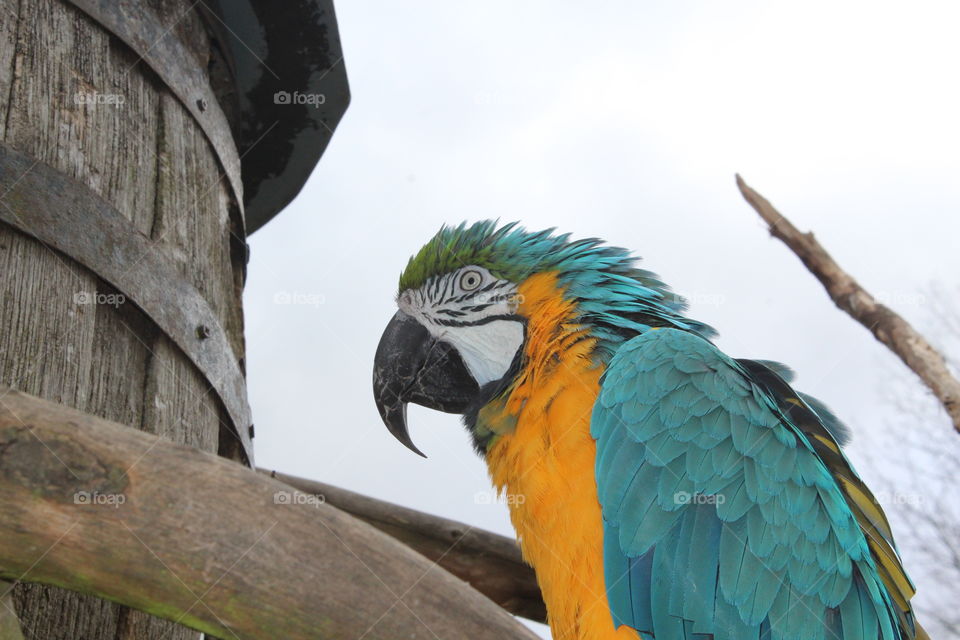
[413, 366]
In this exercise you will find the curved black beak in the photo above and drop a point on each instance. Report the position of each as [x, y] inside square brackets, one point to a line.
[413, 366]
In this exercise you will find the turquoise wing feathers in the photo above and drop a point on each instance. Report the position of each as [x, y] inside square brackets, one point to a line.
[729, 510]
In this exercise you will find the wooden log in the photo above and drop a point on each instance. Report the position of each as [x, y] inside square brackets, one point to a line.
[97, 507]
[489, 562]
[144, 154]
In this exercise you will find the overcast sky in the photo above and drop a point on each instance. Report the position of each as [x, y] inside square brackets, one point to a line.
[628, 121]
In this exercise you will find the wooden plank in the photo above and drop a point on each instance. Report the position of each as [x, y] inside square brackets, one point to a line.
[8, 40]
[122, 335]
[176, 405]
[202, 244]
[71, 219]
[45, 335]
[82, 106]
[190, 181]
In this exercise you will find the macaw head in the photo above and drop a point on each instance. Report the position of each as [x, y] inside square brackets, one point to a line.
[476, 300]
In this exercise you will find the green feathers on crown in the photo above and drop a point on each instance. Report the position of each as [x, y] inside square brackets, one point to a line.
[480, 244]
[614, 296]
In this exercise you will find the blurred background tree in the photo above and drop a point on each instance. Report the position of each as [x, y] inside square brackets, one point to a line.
[913, 463]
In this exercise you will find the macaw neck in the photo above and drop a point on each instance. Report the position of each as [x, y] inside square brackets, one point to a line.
[542, 456]
[551, 335]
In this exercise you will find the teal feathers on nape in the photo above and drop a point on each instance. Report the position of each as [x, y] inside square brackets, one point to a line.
[615, 298]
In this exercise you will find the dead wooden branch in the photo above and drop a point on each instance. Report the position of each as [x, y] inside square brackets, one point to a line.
[885, 324]
[491, 563]
[107, 510]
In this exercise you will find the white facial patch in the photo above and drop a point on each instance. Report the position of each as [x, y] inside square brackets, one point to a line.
[487, 349]
[474, 312]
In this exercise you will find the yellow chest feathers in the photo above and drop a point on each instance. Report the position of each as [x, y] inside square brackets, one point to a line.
[545, 465]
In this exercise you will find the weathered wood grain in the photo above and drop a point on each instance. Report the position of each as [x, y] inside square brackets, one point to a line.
[191, 536]
[8, 36]
[490, 563]
[64, 65]
[175, 405]
[137, 147]
[190, 179]
[119, 336]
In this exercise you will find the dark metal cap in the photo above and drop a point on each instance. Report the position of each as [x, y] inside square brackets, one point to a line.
[291, 91]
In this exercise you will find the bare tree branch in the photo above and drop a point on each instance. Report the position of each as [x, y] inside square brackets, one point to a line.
[491, 563]
[107, 510]
[886, 325]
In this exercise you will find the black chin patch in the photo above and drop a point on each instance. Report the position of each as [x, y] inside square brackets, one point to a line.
[482, 437]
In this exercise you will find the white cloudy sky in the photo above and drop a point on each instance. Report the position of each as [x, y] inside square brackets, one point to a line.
[625, 120]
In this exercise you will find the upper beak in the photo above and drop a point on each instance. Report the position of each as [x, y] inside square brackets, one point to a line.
[413, 366]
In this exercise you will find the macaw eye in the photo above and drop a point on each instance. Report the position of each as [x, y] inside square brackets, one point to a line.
[470, 280]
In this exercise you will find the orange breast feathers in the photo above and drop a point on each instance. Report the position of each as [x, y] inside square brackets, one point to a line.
[546, 465]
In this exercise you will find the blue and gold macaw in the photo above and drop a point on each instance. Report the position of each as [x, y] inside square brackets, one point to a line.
[660, 488]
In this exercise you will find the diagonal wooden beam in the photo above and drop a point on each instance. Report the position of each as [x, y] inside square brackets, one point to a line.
[489, 562]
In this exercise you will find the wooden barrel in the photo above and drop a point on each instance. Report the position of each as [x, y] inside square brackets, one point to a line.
[122, 250]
